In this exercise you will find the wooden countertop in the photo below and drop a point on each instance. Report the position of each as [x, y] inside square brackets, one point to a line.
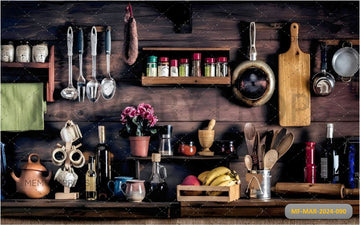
[82, 208]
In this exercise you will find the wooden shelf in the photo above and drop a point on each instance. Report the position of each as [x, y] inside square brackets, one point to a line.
[184, 49]
[90, 209]
[50, 86]
[156, 81]
[336, 42]
[175, 157]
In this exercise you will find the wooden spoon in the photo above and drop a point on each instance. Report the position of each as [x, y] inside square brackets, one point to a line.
[248, 162]
[250, 135]
[211, 124]
[270, 159]
[285, 144]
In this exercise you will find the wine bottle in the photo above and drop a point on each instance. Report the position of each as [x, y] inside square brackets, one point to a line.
[326, 156]
[90, 191]
[103, 167]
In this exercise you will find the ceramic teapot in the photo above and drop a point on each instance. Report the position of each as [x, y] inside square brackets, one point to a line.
[31, 182]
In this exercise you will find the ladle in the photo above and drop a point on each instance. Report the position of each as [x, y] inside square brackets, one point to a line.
[92, 87]
[108, 85]
[70, 92]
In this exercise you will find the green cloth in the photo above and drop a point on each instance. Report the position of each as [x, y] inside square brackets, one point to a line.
[22, 106]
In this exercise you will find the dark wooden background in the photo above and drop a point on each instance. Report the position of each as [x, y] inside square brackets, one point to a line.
[214, 24]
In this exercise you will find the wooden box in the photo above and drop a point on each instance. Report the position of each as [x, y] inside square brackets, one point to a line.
[231, 193]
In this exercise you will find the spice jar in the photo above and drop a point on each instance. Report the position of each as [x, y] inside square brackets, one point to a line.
[209, 67]
[7, 52]
[151, 67]
[184, 68]
[221, 67]
[23, 53]
[163, 67]
[196, 65]
[190, 149]
[174, 71]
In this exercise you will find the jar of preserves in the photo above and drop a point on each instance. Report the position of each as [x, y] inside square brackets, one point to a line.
[7, 52]
[190, 149]
[174, 71]
[23, 52]
[221, 67]
[209, 67]
[196, 65]
[184, 68]
[151, 68]
[163, 67]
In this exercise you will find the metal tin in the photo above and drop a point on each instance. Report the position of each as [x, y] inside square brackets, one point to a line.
[265, 191]
[40, 52]
[23, 53]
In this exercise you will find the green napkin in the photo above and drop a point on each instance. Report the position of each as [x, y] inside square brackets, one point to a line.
[22, 106]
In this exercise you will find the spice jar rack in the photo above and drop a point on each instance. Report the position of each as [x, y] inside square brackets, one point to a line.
[176, 53]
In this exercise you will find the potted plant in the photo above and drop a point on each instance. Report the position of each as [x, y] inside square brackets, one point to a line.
[139, 124]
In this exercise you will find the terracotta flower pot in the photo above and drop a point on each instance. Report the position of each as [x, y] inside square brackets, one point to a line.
[139, 146]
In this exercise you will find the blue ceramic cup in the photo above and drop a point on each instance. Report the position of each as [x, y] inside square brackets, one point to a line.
[115, 186]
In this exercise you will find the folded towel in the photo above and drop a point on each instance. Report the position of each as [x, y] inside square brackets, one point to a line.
[22, 106]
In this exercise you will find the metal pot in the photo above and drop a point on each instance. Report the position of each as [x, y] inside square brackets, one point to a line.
[31, 182]
[253, 81]
[345, 62]
[323, 83]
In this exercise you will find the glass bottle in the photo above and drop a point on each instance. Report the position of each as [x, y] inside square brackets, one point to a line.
[103, 166]
[196, 65]
[90, 180]
[335, 156]
[326, 157]
[221, 67]
[165, 142]
[174, 71]
[163, 67]
[351, 166]
[209, 67]
[156, 186]
[231, 149]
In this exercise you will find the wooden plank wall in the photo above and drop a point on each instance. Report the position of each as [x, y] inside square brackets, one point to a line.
[214, 24]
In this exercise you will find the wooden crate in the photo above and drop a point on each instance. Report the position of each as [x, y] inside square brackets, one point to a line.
[232, 193]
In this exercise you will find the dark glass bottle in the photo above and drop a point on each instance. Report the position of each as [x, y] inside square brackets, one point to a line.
[335, 154]
[326, 157]
[103, 167]
[156, 186]
[90, 191]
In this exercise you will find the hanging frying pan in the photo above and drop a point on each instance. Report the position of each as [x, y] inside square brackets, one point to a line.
[345, 62]
[253, 80]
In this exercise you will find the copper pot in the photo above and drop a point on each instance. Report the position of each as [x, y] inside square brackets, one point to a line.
[31, 182]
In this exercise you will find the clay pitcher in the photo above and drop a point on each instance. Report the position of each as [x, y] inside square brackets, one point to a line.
[31, 182]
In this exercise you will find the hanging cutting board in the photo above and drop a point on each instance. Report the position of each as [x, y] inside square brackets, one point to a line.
[294, 84]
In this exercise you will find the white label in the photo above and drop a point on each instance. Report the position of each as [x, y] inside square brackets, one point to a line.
[324, 168]
[163, 71]
[174, 71]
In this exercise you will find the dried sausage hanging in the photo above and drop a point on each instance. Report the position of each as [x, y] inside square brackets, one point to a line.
[130, 47]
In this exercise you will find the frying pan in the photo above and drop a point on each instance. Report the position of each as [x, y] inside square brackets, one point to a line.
[323, 83]
[345, 62]
[253, 80]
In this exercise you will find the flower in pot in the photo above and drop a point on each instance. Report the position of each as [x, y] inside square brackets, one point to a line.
[139, 123]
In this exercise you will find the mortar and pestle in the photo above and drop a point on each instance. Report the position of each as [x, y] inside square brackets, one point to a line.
[206, 139]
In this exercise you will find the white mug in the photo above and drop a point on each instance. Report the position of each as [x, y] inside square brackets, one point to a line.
[66, 178]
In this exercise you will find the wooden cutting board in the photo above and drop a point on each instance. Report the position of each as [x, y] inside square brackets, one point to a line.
[294, 84]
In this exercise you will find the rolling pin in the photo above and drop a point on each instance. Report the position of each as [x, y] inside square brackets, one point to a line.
[309, 188]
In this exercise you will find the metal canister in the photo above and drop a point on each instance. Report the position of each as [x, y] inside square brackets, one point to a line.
[40, 52]
[265, 186]
[7, 52]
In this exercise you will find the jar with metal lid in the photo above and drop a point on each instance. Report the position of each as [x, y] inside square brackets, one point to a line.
[7, 52]
[151, 67]
[196, 65]
[221, 67]
[184, 68]
[174, 71]
[209, 67]
[23, 52]
[163, 67]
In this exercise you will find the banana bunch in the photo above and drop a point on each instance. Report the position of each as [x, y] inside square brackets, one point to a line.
[220, 176]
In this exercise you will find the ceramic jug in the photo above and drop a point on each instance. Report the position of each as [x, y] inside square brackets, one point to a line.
[31, 182]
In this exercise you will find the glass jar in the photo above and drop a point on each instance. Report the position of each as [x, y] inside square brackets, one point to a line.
[196, 65]
[163, 67]
[23, 52]
[174, 71]
[7, 52]
[40, 52]
[209, 67]
[151, 68]
[221, 67]
[184, 68]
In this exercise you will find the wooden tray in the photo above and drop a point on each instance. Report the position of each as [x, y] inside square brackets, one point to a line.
[232, 193]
